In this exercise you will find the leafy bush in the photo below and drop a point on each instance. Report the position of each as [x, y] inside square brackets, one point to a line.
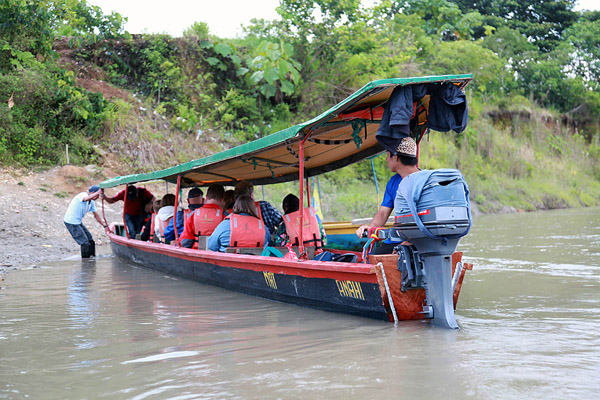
[50, 111]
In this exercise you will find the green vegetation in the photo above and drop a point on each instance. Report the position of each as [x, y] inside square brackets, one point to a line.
[532, 142]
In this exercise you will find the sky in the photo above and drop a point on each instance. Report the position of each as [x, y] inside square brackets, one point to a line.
[224, 17]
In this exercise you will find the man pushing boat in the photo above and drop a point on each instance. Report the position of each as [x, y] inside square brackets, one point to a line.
[73, 219]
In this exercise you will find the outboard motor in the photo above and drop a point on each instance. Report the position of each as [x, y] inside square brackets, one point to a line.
[432, 212]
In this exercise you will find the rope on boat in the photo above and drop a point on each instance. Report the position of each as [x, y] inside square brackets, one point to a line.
[387, 290]
[371, 243]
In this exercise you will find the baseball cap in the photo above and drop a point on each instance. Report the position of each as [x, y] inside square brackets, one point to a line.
[195, 192]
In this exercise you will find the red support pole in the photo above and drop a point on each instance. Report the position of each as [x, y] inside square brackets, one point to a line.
[301, 180]
[125, 205]
[176, 207]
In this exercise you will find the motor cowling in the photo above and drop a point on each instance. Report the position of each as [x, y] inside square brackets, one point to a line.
[432, 212]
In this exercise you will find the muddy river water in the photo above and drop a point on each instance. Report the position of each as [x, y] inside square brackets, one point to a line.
[529, 314]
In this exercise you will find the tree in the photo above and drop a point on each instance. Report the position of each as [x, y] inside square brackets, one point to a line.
[444, 19]
[482, 63]
[584, 36]
[515, 51]
[24, 33]
[274, 71]
[542, 21]
[547, 81]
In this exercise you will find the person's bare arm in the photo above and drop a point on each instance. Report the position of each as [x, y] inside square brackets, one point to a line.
[100, 220]
[108, 199]
[380, 218]
[92, 196]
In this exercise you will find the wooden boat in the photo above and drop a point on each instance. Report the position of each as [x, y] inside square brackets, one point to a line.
[340, 136]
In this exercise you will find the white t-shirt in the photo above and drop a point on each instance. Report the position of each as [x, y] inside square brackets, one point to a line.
[78, 208]
[163, 214]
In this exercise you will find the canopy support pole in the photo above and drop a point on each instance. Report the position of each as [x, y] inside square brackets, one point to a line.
[176, 207]
[301, 181]
[375, 179]
[125, 205]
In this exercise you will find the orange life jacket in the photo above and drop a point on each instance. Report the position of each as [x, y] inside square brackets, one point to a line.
[246, 231]
[206, 219]
[311, 233]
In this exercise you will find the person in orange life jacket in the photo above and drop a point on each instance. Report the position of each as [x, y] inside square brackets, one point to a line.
[164, 216]
[403, 161]
[78, 207]
[204, 220]
[229, 199]
[291, 204]
[148, 228]
[268, 213]
[139, 203]
[195, 199]
[243, 228]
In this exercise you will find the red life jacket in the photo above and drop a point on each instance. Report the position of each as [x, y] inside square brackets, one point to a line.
[206, 219]
[161, 227]
[246, 231]
[186, 214]
[311, 233]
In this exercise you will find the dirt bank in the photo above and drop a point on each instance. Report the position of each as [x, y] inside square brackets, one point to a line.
[32, 206]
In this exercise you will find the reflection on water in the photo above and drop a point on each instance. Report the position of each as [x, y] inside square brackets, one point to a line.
[529, 312]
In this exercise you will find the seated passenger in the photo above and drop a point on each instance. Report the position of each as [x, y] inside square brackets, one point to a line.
[148, 228]
[204, 220]
[195, 200]
[268, 213]
[243, 228]
[164, 216]
[288, 230]
[229, 199]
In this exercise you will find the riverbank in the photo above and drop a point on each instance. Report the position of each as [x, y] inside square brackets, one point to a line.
[32, 206]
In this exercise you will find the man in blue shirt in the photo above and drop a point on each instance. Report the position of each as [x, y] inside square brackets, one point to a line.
[403, 161]
[73, 219]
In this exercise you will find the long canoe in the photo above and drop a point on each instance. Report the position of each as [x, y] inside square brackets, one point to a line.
[342, 135]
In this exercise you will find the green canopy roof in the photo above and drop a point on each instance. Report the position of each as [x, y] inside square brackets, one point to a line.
[340, 136]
